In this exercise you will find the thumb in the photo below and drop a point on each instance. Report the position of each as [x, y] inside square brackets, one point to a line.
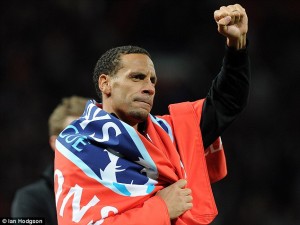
[222, 24]
[181, 183]
[224, 21]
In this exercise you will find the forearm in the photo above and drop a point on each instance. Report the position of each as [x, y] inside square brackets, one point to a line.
[230, 88]
[228, 95]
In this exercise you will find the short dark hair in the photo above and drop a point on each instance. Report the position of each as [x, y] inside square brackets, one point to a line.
[109, 62]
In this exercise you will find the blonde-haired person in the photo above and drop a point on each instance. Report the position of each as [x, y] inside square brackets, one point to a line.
[37, 199]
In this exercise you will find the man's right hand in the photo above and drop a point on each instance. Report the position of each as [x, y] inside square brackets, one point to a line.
[177, 198]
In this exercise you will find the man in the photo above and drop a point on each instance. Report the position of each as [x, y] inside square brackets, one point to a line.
[37, 199]
[118, 164]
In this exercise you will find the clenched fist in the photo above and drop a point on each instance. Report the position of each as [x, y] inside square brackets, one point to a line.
[232, 22]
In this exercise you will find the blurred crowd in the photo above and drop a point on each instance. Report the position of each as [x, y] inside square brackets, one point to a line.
[49, 49]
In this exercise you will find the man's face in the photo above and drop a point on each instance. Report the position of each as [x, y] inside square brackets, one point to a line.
[132, 89]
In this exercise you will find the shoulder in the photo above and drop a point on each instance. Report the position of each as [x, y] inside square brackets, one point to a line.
[34, 193]
[187, 109]
[32, 189]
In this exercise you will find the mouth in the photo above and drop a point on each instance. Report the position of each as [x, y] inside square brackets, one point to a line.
[147, 102]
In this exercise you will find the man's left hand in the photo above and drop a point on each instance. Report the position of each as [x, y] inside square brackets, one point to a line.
[232, 22]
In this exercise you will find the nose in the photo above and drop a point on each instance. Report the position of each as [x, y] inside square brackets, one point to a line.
[149, 88]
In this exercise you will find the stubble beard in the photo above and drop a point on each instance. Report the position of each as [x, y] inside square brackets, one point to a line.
[139, 115]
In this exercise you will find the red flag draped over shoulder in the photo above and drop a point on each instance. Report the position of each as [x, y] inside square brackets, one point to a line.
[201, 167]
[108, 173]
[215, 156]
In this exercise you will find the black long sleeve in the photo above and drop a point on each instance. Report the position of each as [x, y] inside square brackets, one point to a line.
[37, 199]
[227, 96]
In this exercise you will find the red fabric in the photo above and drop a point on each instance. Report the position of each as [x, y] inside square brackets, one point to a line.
[200, 170]
[83, 200]
[216, 161]
[215, 156]
[131, 210]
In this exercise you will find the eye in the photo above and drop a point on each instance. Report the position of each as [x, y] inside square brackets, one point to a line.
[138, 76]
[153, 80]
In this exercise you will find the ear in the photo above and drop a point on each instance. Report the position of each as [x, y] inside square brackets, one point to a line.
[52, 140]
[104, 84]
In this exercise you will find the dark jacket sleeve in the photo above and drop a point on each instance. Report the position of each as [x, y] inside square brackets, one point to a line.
[227, 96]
